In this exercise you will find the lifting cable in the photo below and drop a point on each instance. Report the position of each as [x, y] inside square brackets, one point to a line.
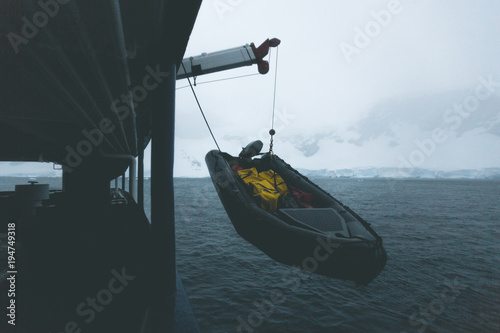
[218, 80]
[201, 110]
[272, 131]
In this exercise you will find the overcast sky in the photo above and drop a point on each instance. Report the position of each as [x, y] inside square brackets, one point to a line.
[427, 46]
[337, 62]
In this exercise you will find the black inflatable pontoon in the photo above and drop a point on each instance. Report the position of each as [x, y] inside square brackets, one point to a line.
[329, 239]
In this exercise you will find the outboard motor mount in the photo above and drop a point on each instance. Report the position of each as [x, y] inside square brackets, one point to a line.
[252, 149]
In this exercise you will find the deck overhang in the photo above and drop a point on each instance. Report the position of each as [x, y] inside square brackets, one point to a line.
[80, 76]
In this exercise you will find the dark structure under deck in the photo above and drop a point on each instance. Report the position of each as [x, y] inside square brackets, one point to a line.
[88, 89]
[88, 267]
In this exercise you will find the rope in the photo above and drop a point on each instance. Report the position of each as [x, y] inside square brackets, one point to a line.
[201, 110]
[225, 79]
[272, 131]
[275, 80]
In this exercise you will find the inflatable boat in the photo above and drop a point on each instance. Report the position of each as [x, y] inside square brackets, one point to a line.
[311, 229]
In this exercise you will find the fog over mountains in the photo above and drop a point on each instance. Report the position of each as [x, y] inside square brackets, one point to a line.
[434, 135]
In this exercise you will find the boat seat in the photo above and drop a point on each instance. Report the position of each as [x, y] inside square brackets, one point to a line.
[324, 220]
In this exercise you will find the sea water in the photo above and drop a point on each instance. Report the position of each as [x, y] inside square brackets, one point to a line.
[442, 238]
[442, 274]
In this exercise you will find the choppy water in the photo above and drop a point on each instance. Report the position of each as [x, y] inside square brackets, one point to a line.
[442, 274]
[437, 233]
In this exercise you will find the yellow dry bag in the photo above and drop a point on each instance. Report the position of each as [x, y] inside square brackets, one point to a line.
[263, 186]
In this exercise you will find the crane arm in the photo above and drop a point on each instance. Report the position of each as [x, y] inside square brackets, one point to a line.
[246, 55]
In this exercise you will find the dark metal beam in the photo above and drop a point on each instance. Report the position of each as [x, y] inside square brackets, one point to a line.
[162, 191]
[140, 176]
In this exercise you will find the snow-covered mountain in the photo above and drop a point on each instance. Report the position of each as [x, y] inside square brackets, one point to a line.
[450, 134]
[488, 173]
[28, 169]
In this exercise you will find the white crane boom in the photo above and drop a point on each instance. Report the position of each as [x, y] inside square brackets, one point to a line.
[246, 55]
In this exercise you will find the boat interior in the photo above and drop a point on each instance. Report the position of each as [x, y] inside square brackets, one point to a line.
[305, 205]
